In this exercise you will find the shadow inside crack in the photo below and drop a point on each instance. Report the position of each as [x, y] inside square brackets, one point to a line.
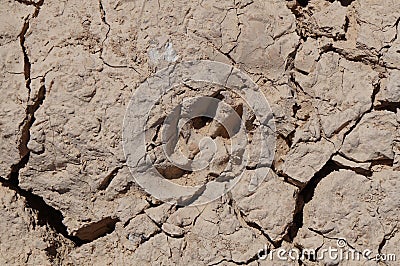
[46, 214]
[305, 195]
[96, 230]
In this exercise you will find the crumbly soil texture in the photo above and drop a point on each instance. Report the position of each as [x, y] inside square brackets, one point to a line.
[330, 71]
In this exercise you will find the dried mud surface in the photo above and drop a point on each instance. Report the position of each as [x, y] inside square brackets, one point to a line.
[329, 69]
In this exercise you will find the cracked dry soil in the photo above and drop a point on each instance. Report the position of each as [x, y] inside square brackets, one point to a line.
[329, 69]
